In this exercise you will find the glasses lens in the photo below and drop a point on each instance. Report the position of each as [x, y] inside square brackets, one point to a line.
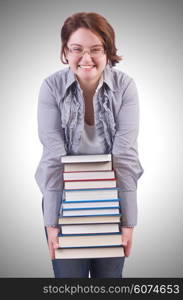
[93, 52]
[96, 52]
[76, 50]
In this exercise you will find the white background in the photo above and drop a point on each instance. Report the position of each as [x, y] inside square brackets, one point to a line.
[148, 35]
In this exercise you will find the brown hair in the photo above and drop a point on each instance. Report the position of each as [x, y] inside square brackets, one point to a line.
[98, 25]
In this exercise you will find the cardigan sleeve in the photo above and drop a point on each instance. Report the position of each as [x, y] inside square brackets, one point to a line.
[125, 154]
[49, 173]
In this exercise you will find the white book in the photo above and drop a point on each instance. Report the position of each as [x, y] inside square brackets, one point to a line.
[89, 240]
[91, 212]
[89, 219]
[98, 166]
[90, 194]
[94, 184]
[94, 203]
[89, 228]
[88, 175]
[85, 158]
[98, 252]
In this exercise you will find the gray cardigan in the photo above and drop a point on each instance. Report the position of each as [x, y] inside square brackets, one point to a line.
[60, 125]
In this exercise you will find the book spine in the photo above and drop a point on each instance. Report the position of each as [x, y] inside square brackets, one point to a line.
[102, 215]
[99, 179]
[90, 208]
[89, 234]
[91, 189]
[102, 246]
[86, 158]
[118, 223]
[92, 171]
[90, 201]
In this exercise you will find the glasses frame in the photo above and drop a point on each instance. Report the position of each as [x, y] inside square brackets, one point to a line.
[85, 51]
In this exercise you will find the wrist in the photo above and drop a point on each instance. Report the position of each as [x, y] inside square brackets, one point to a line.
[127, 226]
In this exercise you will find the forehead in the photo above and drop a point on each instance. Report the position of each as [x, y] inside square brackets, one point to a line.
[85, 37]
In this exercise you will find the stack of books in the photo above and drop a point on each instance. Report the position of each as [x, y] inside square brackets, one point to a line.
[90, 213]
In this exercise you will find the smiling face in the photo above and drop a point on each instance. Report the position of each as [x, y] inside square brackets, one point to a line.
[87, 69]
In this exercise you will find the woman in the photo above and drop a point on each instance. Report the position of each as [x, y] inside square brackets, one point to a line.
[88, 98]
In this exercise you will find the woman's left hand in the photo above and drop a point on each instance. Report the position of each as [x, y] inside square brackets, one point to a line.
[127, 233]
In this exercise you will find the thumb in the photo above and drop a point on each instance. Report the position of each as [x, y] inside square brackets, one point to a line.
[124, 240]
[55, 242]
[55, 245]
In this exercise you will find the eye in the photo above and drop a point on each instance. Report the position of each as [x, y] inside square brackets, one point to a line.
[76, 49]
[96, 50]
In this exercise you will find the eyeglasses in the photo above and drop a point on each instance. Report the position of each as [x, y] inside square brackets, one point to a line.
[95, 52]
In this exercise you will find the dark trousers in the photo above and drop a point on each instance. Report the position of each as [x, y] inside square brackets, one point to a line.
[80, 268]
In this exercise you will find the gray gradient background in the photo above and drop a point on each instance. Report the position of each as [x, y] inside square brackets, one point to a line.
[149, 35]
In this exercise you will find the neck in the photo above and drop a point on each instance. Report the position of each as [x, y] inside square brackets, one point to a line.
[88, 87]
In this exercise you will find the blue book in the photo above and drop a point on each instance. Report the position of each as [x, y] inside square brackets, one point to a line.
[89, 252]
[90, 194]
[89, 219]
[90, 208]
[90, 228]
[89, 204]
[113, 239]
[90, 211]
[90, 234]
[90, 201]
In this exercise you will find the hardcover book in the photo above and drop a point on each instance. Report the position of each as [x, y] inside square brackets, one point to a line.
[90, 213]
[116, 218]
[88, 175]
[86, 184]
[90, 194]
[90, 228]
[91, 203]
[90, 240]
[86, 158]
[93, 252]
[98, 166]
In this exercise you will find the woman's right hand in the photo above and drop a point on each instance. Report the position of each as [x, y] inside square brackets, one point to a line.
[53, 244]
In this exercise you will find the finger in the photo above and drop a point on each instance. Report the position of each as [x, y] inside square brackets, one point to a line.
[51, 250]
[124, 241]
[127, 249]
[55, 243]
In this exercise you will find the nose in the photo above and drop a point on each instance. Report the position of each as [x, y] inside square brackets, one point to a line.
[86, 57]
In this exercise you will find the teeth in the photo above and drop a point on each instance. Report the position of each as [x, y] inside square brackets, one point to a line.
[86, 67]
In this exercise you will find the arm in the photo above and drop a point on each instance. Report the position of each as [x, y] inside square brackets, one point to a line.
[125, 159]
[49, 172]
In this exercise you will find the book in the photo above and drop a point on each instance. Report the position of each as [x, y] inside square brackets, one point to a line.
[90, 214]
[90, 194]
[88, 175]
[89, 219]
[90, 228]
[99, 166]
[91, 203]
[89, 240]
[89, 211]
[95, 184]
[86, 158]
[93, 252]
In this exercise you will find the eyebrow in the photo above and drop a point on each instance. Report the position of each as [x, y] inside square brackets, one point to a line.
[82, 45]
